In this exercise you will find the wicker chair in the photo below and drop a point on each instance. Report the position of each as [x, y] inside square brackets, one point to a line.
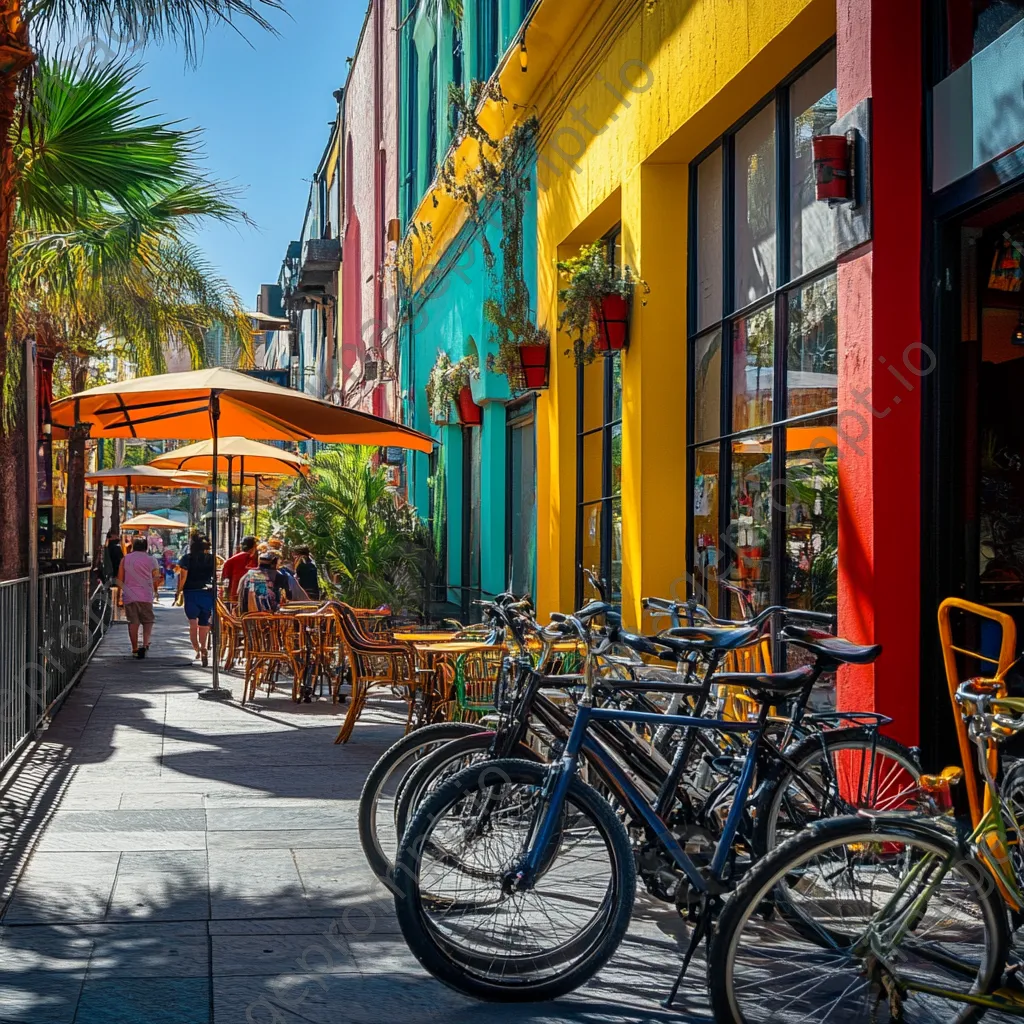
[475, 677]
[372, 662]
[232, 638]
[271, 643]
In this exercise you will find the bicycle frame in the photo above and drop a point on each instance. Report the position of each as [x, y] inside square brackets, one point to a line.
[578, 743]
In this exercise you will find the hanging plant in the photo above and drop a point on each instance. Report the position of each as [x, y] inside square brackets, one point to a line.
[524, 349]
[447, 382]
[595, 303]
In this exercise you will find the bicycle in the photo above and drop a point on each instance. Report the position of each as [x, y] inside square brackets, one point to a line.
[886, 917]
[492, 894]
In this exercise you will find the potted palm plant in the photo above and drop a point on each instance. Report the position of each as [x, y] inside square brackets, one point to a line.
[595, 302]
[448, 384]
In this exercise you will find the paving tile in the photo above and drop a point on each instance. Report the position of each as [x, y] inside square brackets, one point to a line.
[149, 954]
[94, 842]
[149, 1000]
[166, 820]
[310, 839]
[158, 896]
[321, 952]
[244, 819]
[47, 997]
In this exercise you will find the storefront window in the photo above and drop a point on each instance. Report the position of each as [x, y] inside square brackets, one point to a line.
[599, 461]
[971, 25]
[813, 103]
[765, 496]
[709, 240]
[707, 368]
[754, 197]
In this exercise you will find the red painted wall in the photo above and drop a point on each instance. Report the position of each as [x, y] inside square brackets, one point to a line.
[879, 55]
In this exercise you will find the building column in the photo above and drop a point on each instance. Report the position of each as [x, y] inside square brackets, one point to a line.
[881, 362]
[654, 389]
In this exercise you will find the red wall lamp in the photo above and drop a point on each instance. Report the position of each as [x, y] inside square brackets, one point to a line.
[835, 162]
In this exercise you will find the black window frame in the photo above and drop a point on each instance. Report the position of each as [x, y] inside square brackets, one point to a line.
[778, 298]
[607, 429]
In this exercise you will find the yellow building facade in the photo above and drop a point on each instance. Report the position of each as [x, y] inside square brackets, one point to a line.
[630, 96]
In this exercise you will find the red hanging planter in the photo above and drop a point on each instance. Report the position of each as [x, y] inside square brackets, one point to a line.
[470, 414]
[611, 317]
[535, 362]
[832, 178]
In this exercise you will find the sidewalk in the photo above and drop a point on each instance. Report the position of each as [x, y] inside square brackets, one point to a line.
[167, 860]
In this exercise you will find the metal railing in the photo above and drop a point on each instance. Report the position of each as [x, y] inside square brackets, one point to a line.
[72, 616]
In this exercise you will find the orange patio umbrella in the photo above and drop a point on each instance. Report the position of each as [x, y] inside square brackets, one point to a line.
[255, 460]
[200, 404]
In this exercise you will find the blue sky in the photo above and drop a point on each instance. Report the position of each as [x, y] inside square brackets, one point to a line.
[264, 104]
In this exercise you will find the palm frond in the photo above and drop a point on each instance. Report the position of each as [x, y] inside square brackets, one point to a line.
[135, 23]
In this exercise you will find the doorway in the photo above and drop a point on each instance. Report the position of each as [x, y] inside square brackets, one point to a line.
[973, 442]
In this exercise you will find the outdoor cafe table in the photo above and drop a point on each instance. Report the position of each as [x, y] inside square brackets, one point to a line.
[318, 640]
[429, 657]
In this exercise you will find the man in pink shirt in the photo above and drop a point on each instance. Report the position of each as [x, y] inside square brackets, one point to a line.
[140, 577]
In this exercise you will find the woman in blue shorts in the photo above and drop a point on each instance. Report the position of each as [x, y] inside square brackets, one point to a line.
[196, 586]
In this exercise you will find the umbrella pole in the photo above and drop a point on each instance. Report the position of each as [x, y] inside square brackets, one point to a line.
[241, 498]
[256, 506]
[216, 692]
[230, 523]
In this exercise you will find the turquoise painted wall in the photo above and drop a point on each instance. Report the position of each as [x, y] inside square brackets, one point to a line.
[447, 315]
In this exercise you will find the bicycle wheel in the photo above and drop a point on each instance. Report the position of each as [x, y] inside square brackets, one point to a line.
[463, 915]
[1011, 792]
[378, 835]
[848, 945]
[442, 764]
[833, 773]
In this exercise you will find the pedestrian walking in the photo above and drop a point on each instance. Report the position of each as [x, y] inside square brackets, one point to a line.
[140, 577]
[113, 552]
[196, 572]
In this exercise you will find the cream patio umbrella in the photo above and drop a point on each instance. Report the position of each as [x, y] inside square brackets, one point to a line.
[200, 404]
[147, 521]
[255, 460]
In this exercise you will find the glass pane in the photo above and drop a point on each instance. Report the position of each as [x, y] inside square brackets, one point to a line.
[593, 394]
[615, 369]
[812, 102]
[709, 240]
[972, 25]
[616, 552]
[755, 208]
[593, 449]
[753, 369]
[707, 386]
[750, 518]
[523, 487]
[811, 356]
[812, 516]
[616, 459]
[705, 526]
[591, 544]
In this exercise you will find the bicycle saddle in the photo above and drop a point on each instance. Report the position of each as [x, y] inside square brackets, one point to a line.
[684, 639]
[830, 648]
[768, 682]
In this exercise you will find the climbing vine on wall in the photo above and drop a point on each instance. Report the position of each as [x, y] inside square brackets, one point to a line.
[501, 177]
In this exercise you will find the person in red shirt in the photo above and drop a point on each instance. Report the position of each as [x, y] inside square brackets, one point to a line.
[237, 566]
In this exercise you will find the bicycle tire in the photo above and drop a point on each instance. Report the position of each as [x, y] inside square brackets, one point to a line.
[504, 975]
[781, 778]
[402, 750]
[423, 777]
[1011, 793]
[744, 910]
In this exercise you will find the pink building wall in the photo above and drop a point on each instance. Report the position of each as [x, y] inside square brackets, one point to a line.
[369, 152]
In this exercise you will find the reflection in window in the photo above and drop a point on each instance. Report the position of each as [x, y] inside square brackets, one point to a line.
[707, 370]
[811, 355]
[750, 517]
[753, 361]
[709, 240]
[813, 105]
[705, 525]
[812, 516]
[754, 190]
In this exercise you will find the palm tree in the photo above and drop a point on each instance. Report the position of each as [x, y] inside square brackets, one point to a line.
[98, 255]
[133, 23]
[372, 545]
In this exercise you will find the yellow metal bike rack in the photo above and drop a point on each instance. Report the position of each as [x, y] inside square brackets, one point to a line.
[950, 650]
